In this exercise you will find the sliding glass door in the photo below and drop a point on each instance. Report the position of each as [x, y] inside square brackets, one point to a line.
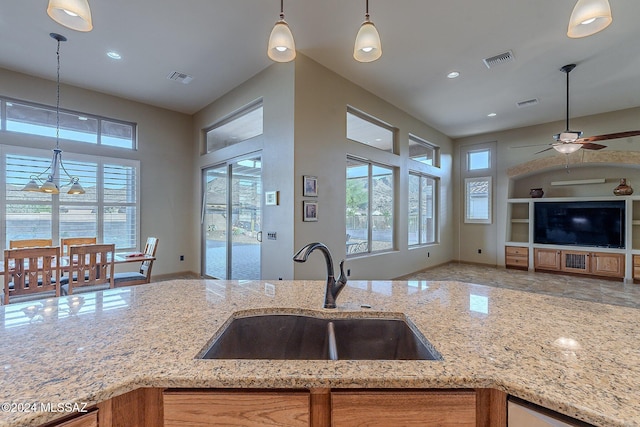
[232, 219]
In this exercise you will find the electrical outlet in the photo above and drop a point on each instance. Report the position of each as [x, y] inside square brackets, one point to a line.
[181, 257]
[348, 272]
[272, 235]
[479, 251]
[428, 254]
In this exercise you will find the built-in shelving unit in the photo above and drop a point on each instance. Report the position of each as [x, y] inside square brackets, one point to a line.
[520, 226]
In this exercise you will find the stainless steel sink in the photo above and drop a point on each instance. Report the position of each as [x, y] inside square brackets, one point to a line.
[294, 337]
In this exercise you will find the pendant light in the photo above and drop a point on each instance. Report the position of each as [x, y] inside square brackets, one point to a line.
[281, 47]
[589, 17]
[52, 184]
[367, 47]
[74, 14]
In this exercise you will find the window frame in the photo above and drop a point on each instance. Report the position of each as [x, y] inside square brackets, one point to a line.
[428, 145]
[370, 224]
[230, 118]
[479, 150]
[54, 200]
[434, 209]
[467, 182]
[51, 109]
[375, 122]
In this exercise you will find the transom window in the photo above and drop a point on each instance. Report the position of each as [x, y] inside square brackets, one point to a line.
[478, 159]
[240, 126]
[423, 151]
[37, 119]
[109, 209]
[369, 130]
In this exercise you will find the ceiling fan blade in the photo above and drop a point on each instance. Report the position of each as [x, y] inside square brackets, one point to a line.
[592, 146]
[609, 136]
[542, 151]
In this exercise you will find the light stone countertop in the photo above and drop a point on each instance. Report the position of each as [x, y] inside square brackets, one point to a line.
[578, 358]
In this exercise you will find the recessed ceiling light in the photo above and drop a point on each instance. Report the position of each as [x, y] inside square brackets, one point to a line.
[114, 55]
[491, 115]
[453, 74]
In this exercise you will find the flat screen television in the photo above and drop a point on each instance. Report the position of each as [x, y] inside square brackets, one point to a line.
[597, 223]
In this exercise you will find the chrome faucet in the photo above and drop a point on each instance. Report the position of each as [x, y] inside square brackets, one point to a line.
[333, 287]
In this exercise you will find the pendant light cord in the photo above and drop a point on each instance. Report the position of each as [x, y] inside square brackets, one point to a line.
[567, 127]
[366, 10]
[281, 9]
[58, 98]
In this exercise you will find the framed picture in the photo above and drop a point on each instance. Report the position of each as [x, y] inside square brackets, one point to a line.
[271, 198]
[309, 211]
[309, 186]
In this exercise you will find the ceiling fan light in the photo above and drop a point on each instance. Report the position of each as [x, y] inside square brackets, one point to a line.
[567, 147]
[589, 17]
[569, 137]
[281, 47]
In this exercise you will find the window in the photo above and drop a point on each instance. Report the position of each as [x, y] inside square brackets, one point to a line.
[369, 214]
[240, 126]
[422, 199]
[423, 151]
[478, 159]
[35, 119]
[477, 200]
[368, 130]
[108, 210]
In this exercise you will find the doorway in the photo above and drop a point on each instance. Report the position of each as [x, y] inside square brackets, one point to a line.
[232, 219]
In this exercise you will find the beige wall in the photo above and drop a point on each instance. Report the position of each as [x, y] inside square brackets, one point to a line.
[550, 166]
[164, 150]
[275, 86]
[321, 148]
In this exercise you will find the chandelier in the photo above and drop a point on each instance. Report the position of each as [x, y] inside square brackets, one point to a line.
[51, 184]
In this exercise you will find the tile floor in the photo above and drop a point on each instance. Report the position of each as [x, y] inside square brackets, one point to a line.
[581, 288]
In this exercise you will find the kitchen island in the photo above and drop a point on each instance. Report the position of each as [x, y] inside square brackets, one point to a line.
[578, 358]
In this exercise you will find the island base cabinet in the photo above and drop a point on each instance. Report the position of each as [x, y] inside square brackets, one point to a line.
[419, 408]
[526, 416]
[236, 408]
[87, 420]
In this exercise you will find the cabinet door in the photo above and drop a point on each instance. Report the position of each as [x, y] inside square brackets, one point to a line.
[546, 259]
[235, 408]
[386, 408]
[605, 264]
[87, 420]
[575, 261]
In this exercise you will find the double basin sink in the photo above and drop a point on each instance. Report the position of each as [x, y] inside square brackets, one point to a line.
[297, 337]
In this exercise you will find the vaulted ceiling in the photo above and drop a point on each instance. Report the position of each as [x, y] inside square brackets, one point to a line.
[222, 43]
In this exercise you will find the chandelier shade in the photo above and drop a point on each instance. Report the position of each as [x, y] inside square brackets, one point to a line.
[51, 184]
[74, 14]
[589, 17]
[282, 47]
[367, 47]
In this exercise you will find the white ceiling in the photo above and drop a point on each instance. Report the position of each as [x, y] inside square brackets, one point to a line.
[222, 43]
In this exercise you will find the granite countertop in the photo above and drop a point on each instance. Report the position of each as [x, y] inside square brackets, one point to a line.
[578, 358]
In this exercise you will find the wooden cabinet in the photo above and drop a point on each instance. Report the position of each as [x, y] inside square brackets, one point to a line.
[601, 264]
[636, 269]
[86, 420]
[335, 407]
[516, 257]
[238, 408]
[388, 408]
[546, 259]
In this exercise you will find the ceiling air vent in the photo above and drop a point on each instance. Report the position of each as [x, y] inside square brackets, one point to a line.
[527, 103]
[180, 77]
[499, 59]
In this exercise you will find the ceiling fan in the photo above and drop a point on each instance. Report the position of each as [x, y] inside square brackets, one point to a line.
[570, 141]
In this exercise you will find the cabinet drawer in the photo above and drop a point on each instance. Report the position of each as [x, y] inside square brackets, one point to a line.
[517, 250]
[87, 420]
[517, 261]
[636, 260]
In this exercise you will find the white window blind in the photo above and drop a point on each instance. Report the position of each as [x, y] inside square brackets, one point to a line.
[108, 210]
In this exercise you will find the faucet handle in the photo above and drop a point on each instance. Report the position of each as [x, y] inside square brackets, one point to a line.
[342, 278]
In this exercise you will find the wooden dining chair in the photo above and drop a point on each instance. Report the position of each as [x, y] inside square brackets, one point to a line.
[31, 273]
[73, 241]
[144, 275]
[29, 243]
[90, 269]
